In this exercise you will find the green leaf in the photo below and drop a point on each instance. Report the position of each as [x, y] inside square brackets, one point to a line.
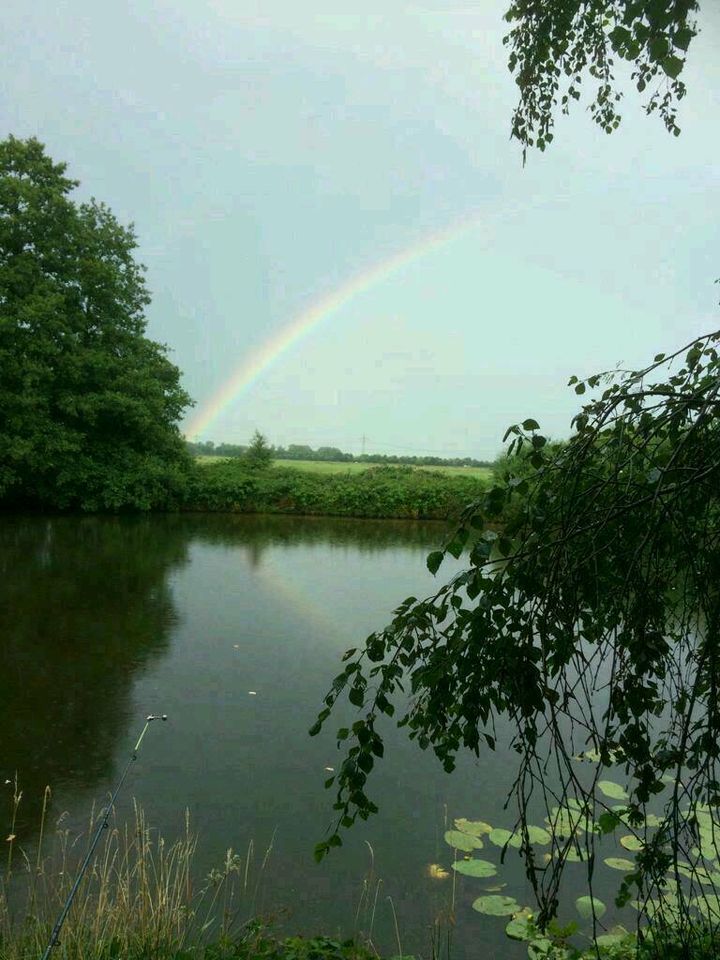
[575, 855]
[682, 37]
[478, 828]
[499, 836]
[539, 835]
[530, 424]
[620, 863]
[434, 560]
[540, 948]
[462, 841]
[632, 843]
[585, 906]
[672, 66]
[475, 868]
[613, 937]
[521, 927]
[608, 822]
[612, 790]
[495, 905]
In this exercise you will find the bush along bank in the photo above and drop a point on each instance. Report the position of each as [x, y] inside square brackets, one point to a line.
[384, 492]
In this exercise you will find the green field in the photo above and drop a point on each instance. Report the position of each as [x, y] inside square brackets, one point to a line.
[326, 466]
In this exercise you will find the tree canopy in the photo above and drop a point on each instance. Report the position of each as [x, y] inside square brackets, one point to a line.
[88, 404]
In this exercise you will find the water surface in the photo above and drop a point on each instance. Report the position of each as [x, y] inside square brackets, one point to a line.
[104, 620]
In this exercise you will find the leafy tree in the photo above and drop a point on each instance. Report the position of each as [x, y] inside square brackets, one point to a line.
[588, 616]
[554, 42]
[259, 454]
[88, 405]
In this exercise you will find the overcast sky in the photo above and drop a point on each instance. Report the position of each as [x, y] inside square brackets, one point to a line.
[270, 152]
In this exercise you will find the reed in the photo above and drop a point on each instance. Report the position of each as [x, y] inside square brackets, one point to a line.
[137, 900]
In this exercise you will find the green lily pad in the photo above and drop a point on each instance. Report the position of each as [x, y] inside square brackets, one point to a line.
[540, 948]
[620, 863]
[612, 937]
[496, 905]
[539, 835]
[632, 843]
[698, 874]
[500, 837]
[585, 906]
[612, 789]
[666, 907]
[653, 821]
[475, 868]
[476, 828]
[462, 841]
[521, 926]
[708, 907]
[575, 855]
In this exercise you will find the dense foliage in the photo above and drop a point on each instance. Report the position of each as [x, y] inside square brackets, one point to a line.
[401, 492]
[554, 42]
[592, 622]
[88, 405]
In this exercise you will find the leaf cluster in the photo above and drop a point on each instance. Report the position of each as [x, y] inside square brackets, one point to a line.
[554, 44]
[587, 617]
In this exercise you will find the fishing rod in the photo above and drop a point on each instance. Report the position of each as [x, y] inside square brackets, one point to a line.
[55, 935]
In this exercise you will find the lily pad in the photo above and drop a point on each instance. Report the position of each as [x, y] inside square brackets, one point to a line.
[521, 926]
[500, 837]
[665, 907]
[651, 820]
[586, 906]
[632, 843]
[476, 828]
[462, 841]
[538, 949]
[708, 907]
[577, 855]
[612, 937]
[620, 863]
[475, 868]
[539, 835]
[496, 905]
[612, 789]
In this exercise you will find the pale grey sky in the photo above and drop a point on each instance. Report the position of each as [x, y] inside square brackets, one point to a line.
[269, 153]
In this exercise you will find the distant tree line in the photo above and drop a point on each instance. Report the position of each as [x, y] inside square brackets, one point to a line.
[300, 451]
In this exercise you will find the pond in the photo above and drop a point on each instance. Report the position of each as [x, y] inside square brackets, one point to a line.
[233, 626]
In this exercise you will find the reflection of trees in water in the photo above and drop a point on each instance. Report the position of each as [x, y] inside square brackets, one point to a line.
[258, 532]
[85, 605]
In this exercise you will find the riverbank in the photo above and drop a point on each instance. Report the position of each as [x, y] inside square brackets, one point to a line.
[141, 898]
[378, 492]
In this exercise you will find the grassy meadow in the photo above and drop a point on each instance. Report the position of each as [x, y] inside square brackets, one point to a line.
[332, 467]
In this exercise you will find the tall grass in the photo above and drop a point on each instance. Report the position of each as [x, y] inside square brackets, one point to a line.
[137, 899]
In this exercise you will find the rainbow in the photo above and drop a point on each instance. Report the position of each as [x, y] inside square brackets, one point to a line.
[257, 361]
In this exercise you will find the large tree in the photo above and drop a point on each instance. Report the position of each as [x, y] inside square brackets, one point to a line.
[588, 616]
[88, 404]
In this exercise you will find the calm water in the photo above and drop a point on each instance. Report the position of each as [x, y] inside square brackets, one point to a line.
[105, 620]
